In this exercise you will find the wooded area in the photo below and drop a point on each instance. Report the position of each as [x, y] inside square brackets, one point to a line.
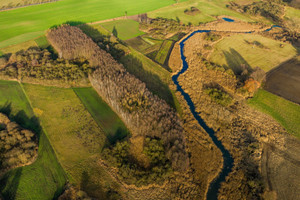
[143, 113]
[41, 66]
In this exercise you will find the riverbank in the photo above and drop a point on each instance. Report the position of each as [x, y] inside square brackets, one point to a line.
[243, 131]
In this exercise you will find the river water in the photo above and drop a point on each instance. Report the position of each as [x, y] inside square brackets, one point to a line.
[212, 193]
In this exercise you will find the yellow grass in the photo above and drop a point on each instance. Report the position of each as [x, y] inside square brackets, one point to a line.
[234, 50]
[74, 135]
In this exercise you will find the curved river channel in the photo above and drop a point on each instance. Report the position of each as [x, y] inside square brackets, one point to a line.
[212, 193]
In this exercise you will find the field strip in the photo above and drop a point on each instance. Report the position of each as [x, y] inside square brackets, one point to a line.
[43, 129]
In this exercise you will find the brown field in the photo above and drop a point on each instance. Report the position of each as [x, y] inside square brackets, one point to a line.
[279, 169]
[284, 80]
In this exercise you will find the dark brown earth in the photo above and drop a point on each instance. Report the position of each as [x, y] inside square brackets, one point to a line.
[280, 167]
[285, 80]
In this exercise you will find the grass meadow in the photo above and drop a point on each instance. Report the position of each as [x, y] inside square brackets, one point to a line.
[123, 29]
[209, 9]
[45, 178]
[105, 117]
[75, 136]
[42, 42]
[251, 49]
[285, 112]
[23, 24]
[163, 52]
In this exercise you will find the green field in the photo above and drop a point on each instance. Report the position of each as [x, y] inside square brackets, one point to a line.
[285, 112]
[73, 133]
[163, 52]
[42, 42]
[209, 9]
[45, 178]
[253, 50]
[123, 29]
[18, 47]
[24, 24]
[105, 117]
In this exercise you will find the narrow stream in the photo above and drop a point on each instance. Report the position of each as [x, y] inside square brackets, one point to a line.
[212, 193]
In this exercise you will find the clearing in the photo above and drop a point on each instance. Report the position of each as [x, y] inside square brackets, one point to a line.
[43, 179]
[253, 50]
[285, 112]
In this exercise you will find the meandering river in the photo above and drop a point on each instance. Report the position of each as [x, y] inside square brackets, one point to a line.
[212, 193]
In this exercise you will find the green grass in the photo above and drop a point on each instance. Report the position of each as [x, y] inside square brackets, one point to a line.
[42, 42]
[208, 10]
[18, 47]
[234, 50]
[19, 38]
[45, 178]
[163, 52]
[104, 116]
[157, 78]
[73, 133]
[24, 24]
[285, 112]
[123, 29]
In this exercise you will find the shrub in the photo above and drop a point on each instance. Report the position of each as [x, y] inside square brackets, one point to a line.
[219, 96]
[133, 172]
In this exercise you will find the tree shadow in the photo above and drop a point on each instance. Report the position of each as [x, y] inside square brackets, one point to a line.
[21, 118]
[235, 61]
[115, 32]
[153, 82]
[103, 41]
[8, 188]
[119, 135]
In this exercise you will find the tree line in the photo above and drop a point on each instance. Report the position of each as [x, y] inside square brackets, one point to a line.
[144, 113]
